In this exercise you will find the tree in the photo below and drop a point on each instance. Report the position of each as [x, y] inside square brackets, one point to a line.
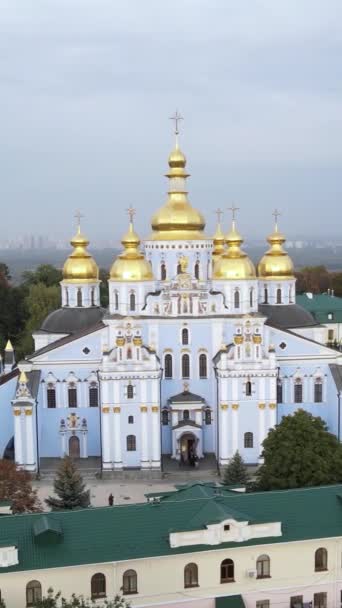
[39, 302]
[69, 487]
[16, 487]
[235, 471]
[55, 600]
[299, 452]
[45, 273]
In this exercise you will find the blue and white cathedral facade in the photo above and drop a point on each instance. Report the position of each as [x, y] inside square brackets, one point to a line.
[199, 352]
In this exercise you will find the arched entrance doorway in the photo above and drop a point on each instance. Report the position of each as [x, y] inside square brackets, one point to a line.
[74, 447]
[188, 448]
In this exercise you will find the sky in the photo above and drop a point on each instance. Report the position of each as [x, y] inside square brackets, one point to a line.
[87, 88]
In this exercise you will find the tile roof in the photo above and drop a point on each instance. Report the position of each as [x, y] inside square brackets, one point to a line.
[128, 532]
[321, 306]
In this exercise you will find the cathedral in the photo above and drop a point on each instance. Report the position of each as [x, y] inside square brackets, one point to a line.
[199, 352]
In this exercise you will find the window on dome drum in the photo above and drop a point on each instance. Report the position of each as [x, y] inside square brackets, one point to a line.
[236, 299]
[330, 335]
[279, 391]
[51, 396]
[66, 296]
[185, 366]
[265, 295]
[296, 601]
[93, 297]
[321, 560]
[116, 300]
[165, 417]
[298, 391]
[227, 571]
[130, 582]
[197, 271]
[93, 395]
[263, 567]
[33, 593]
[208, 416]
[251, 298]
[130, 391]
[168, 366]
[248, 440]
[279, 296]
[248, 388]
[185, 336]
[72, 395]
[132, 301]
[203, 367]
[131, 443]
[179, 268]
[320, 600]
[98, 586]
[318, 397]
[79, 298]
[263, 604]
[191, 576]
[163, 272]
[130, 420]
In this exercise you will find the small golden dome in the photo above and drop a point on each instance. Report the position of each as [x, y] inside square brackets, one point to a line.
[218, 242]
[177, 219]
[234, 264]
[80, 267]
[276, 263]
[131, 264]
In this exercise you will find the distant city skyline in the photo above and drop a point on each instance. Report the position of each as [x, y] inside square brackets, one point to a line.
[87, 89]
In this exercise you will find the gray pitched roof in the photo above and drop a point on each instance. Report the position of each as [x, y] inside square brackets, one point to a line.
[71, 320]
[186, 397]
[287, 316]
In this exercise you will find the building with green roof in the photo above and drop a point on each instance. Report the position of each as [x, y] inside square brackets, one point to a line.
[326, 309]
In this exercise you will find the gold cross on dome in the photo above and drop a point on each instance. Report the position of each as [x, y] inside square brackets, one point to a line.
[78, 216]
[276, 214]
[131, 213]
[177, 118]
[219, 214]
[233, 209]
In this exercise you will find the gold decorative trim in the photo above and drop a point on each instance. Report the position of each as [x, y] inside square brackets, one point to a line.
[155, 408]
[143, 409]
[272, 406]
[235, 406]
[257, 339]
[116, 410]
[16, 412]
[106, 410]
[238, 339]
[261, 406]
[224, 406]
[28, 412]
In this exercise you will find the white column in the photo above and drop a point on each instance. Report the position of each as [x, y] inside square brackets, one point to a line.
[155, 437]
[144, 437]
[59, 394]
[235, 427]
[117, 438]
[273, 389]
[262, 392]
[273, 415]
[18, 437]
[106, 451]
[224, 439]
[84, 444]
[174, 417]
[63, 444]
[30, 464]
[198, 417]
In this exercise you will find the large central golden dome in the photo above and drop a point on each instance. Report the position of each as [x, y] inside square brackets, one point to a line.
[131, 264]
[276, 263]
[234, 264]
[80, 267]
[177, 219]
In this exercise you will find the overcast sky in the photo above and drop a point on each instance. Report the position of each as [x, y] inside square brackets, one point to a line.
[87, 88]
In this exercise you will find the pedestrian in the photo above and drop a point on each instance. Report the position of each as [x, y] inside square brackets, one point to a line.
[110, 500]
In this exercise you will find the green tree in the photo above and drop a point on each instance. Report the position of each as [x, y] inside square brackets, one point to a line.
[299, 452]
[55, 600]
[69, 488]
[45, 273]
[39, 302]
[16, 488]
[104, 292]
[235, 471]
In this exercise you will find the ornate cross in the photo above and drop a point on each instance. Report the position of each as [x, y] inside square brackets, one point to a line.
[233, 209]
[78, 216]
[276, 214]
[219, 214]
[177, 118]
[131, 213]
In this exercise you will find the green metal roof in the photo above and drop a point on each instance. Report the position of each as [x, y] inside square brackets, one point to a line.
[322, 306]
[230, 601]
[126, 532]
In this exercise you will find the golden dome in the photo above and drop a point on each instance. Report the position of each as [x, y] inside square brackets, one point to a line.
[234, 264]
[80, 267]
[276, 263]
[218, 242]
[177, 219]
[131, 264]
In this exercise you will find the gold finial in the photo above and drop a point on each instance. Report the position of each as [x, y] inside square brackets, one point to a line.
[176, 118]
[9, 346]
[219, 213]
[276, 214]
[78, 216]
[23, 378]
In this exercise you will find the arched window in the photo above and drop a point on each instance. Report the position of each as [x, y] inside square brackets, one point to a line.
[72, 395]
[279, 298]
[33, 593]
[298, 391]
[116, 300]
[248, 388]
[130, 419]
[318, 390]
[168, 366]
[248, 440]
[179, 268]
[265, 295]
[197, 270]
[98, 586]
[291, 294]
[51, 395]
[321, 560]
[130, 582]
[163, 272]
[165, 417]
[93, 296]
[279, 391]
[130, 391]
[131, 443]
[191, 575]
[263, 566]
[185, 366]
[203, 368]
[186, 414]
[93, 395]
[227, 571]
[132, 301]
[66, 296]
[79, 297]
[236, 299]
[185, 336]
[251, 298]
